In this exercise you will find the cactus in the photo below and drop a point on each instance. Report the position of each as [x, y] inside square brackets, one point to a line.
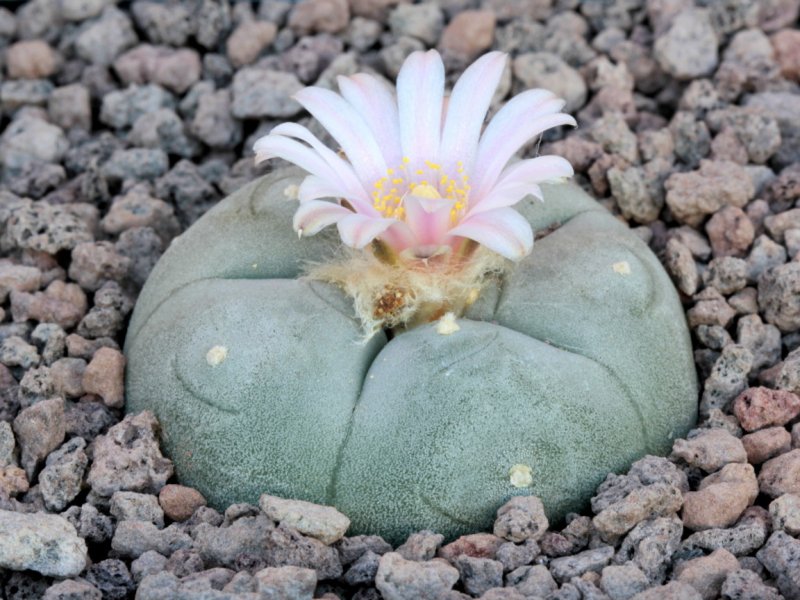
[575, 365]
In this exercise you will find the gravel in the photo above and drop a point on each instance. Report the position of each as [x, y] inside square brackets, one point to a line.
[125, 122]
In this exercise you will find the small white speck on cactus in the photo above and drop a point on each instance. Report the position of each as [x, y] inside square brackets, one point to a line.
[292, 192]
[521, 476]
[447, 324]
[216, 355]
[622, 267]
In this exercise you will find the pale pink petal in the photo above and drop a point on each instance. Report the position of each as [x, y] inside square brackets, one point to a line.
[349, 184]
[520, 120]
[399, 236]
[314, 188]
[375, 102]
[466, 110]
[276, 146]
[428, 219]
[314, 215]
[348, 128]
[420, 91]
[341, 167]
[358, 230]
[521, 179]
[502, 230]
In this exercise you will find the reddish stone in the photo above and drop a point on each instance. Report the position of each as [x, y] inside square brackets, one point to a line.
[470, 33]
[179, 502]
[766, 443]
[787, 52]
[759, 407]
[477, 545]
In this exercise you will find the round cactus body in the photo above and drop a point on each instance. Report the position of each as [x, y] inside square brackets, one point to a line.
[576, 364]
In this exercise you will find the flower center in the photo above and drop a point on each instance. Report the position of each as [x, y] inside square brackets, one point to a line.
[431, 183]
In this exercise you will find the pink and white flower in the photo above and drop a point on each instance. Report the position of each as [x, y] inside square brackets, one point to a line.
[419, 171]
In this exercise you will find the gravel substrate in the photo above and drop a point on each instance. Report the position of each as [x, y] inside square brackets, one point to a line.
[123, 124]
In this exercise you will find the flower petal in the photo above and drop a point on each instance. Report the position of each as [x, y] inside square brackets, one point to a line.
[314, 188]
[502, 230]
[349, 184]
[314, 215]
[349, 129]
[276, 146]
[428, 219]
[358, 230]
[521, 119]
[522, 178]
[420, 92]
[466, 110]
[377, 105]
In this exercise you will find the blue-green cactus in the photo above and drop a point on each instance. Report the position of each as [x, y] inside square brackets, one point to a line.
[578, 364]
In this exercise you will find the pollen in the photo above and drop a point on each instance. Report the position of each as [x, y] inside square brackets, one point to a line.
[432, 182]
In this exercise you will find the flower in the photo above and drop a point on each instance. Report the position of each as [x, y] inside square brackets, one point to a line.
[418, 171]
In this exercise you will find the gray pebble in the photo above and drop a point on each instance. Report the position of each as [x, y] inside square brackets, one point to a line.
[781, 557]
[60, 480]
[259, 93]
[133, 506]
[39, 542]
[400, 579]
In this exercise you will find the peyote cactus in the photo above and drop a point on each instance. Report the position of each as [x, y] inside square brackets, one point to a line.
[574, 364]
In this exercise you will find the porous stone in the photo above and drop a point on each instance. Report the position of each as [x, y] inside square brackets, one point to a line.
[60, 480]
[248, 40]
[688, 49]
[747, 585]
[622, 582]
[292, 583]
[785, 513]
[422, 21]
[39, 429]
[106, 38]
[779, 296]
[179, 502]
[648, 502]
[72, 589]
[759, 407]
[650, 545]
[532, 581]
[479, 575]
[707, 573]
[766, 443]
[104, 377]
[710, 449]
[421, 545]
[259, 93]
[39, 542]
[721, 498]
[322, 522]
[693, 195]
[728, 378]
[467, 35]
[781, 557]
[477, 545]
[748, 535]
[134, 538]
[133, 506]
[70, 106]
[781, 475]
[398, 578]
[565, 568]
[128, 458]
[546, 70]
[30, 59]
[521, 518]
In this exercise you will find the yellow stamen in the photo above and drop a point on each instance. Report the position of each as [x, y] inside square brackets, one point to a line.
[425, 190]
